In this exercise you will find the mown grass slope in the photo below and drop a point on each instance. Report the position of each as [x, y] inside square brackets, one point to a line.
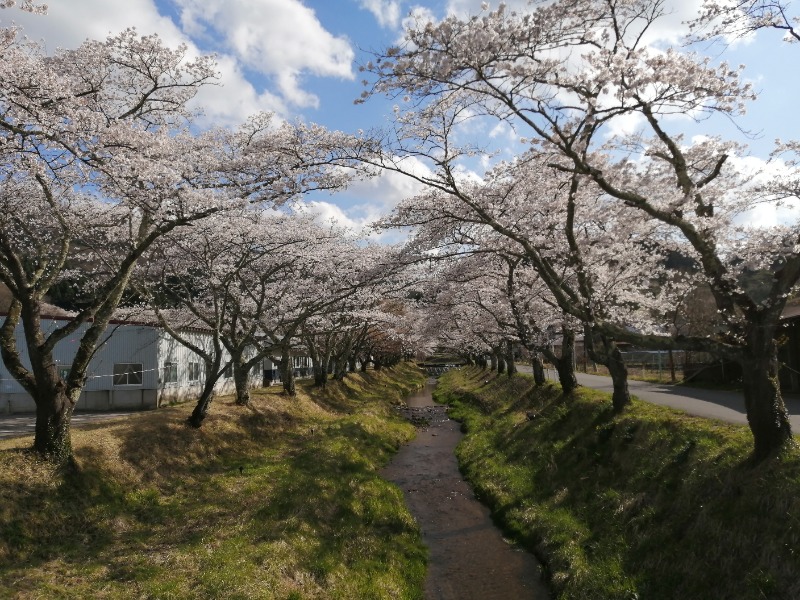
[279, 500]
[649, 504]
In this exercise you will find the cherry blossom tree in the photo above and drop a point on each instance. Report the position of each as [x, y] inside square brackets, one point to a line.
[26, 5]
[739, 18]
[343, 334]
[570, 235]
[217, 277]
[89, 180]
[332, 281]
[99, 162]
[568, 72]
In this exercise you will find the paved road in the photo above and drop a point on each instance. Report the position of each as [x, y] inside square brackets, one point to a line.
[713, 404]
[23, 424]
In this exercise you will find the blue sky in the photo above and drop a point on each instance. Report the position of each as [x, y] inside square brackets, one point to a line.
[300, 58]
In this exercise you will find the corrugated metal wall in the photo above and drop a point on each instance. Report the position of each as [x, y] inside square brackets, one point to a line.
[120, 344]
[149, 346]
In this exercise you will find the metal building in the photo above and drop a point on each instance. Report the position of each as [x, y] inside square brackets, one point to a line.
[136, 366]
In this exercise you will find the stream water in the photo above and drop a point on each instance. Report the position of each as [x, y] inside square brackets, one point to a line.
[468, 557]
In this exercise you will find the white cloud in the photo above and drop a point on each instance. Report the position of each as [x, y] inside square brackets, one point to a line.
[365, 202]
[327, 212]
[229, 103]
[282, 39]
[67, 24]
[381, 194]
[670, 27]
[761, 172]
[624, 125]
[386, 12]
[503, 130]
[418, 16]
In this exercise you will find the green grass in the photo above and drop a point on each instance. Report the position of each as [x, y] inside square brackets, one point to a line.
[649, 504]
[280, 500]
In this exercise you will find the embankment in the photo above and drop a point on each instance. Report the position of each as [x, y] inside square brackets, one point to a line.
[279, 500]
[649, 504]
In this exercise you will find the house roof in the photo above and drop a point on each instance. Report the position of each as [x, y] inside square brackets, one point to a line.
[791, 312]
[48, 310]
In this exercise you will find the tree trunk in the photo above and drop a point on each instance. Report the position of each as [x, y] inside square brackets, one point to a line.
[672, 366]
[565, 363]
[492, 362]
[320, 373]
[364, 364]
[241, 379]
[52, 437]
[538, 369]
[511, 365]
[200, 411]
[766, 411]
[211, 375]
[611, 357]
[55, 401]
[341, 369]
[287, 374]
[621, 397]
[566, 374]
[501, 363]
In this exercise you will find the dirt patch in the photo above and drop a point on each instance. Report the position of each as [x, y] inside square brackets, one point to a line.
[469, 559]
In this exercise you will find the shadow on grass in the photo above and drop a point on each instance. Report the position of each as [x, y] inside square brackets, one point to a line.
[647, 502]
[178, 512]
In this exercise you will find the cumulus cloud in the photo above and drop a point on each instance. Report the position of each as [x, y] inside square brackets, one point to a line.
[419, 16]
[386, 12]
[281, 39]
[761, 172]
[235, 98]
[365, 202]
[67, 24]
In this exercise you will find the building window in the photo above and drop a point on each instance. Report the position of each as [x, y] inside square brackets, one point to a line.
[195, 368]
[170, 374]
[128, 374]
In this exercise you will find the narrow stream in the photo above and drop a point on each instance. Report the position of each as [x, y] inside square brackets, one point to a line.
[469, 559]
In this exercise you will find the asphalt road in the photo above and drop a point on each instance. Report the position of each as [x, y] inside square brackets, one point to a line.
[712, 404]
[23, 424]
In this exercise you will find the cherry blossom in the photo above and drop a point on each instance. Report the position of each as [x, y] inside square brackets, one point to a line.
[566, 72]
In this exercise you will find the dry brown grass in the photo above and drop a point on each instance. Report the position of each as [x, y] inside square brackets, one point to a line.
[279, 499]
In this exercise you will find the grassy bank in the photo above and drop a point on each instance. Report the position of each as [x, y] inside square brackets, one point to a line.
[650, 504]
[280, 500]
